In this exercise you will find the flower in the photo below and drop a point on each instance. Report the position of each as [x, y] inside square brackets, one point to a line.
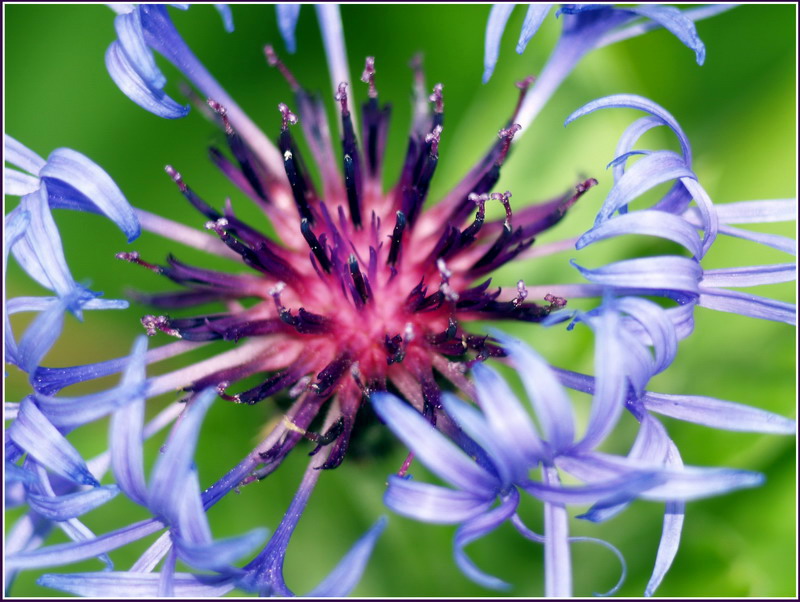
[130, 63]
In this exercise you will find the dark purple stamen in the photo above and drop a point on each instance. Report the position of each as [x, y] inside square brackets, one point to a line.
[316, 248]
[331, 374]
[351, 159]
[397, 237]
[190, 195]
[302, 188]
[133, 257]
[361, 286]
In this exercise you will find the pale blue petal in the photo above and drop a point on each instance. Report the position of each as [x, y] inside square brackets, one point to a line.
[136, 585]
[551, 405]
[287, 23]
[655, 321]
[719, 414]
[611, 382]
[88, 178]
[495, 26]
[754, 275]
[17, 474]
[507, 418]
[432, 448]
[41, 440]
[650, 223]
[21, 156]
[757, 212]
[628, 139]
[474, 529]
[782, 243]
[67, 553]
[653, 169]
[134, 87]
[667, 272]
[557, 562]
[227, 16]
[612, 490]
[221, 554]
[16, 223]
[174, 464]
[670, 532]
[75, 411]
[40, 336]
[71, 505]
[432, 503]
[16, 183]
[705, 207]
[130, 36]
[346, 575]
[677, 23]
[748, 305]
[40, 252]
[533, 20]
[632, 101]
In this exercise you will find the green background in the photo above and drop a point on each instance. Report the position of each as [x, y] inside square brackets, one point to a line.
[739, 112]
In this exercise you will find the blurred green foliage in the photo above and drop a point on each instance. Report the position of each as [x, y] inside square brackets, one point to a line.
[739, 110]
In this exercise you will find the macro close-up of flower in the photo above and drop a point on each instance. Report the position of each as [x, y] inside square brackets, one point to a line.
[400, 300]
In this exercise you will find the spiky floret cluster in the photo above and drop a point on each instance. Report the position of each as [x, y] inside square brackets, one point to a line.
[365, 288]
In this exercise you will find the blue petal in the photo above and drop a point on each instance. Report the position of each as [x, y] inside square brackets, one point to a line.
[551, 405]
[611, 383]
[88, 178]
[227, 16]
[676, 22]
[557, 562]
[16, 183]
[34, 433]
[510, 426]
[342, 579]
[16, 223]
[174, 464]
[40, 252]
[628, 139]
[716, 413]
[432, 503]
[495, 26]
[533, 20]
[75, 411]
[757, 212]
[67, 553]
[21, 156]
[40, 336]
[220, 555]
[17, 474]
[287, 23]
[748, 305]
[150, 98]
[705, 207]
[71, 505]
[632, 101]
[130, 36]
[671, 531]
[656, 323]
[649, 223]
[668, 272]
[653, 169]
[612, 490]
[432, 448]
[754, 275]
[474, 529]
[136, 585]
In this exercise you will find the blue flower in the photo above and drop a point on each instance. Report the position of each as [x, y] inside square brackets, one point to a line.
[364, 291]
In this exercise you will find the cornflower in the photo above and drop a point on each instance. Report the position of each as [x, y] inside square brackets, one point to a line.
[367, 291]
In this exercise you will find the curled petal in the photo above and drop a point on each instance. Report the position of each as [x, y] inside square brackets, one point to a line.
[675, 21]
[432, 503]
[671, 273]
[647, 222]
[21, 156]
[757, 212]
[557, 562]
[150, 98]
[632, 101]
[287, 23]
[16, 183]
[656, 322]
[495, 26]
[68, 506]
[227, 16]
[476, 528]
[432, 448]
[34, 434]
[140, 57]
